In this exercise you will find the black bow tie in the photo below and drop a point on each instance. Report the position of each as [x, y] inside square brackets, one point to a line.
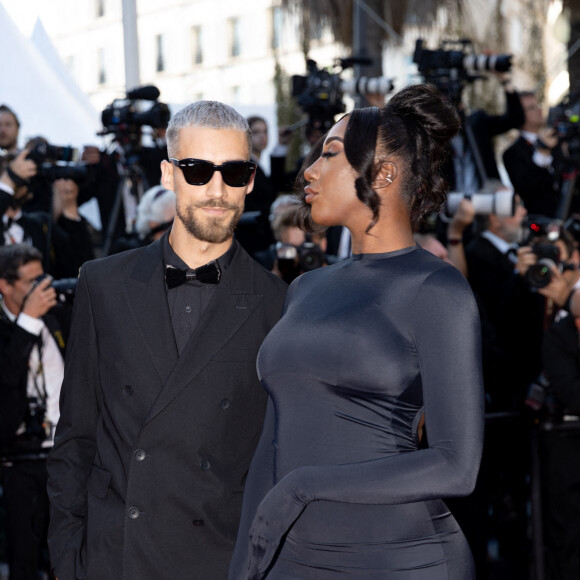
[12, 221]
[208, 274]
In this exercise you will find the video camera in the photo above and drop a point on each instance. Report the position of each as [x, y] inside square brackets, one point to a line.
[56, 162]
[125, 117]
[320, 93]
[455, 64]
[565, 119]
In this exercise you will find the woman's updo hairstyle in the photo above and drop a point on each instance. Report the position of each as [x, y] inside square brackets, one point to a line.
[413, 129]
[417, 126]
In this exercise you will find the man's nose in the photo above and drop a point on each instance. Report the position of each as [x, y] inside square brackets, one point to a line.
[216, 186]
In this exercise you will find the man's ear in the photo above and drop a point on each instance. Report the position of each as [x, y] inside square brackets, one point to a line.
[4, 287]
[167, 177]
[386, 174]
[251, 183]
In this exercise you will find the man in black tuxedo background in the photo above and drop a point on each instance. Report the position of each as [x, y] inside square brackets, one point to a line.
[33, 333]
[161, 407]
[530, 163]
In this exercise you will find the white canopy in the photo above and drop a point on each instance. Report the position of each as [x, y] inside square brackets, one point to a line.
[45, 104]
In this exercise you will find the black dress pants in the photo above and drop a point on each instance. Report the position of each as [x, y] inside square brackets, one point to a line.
[560, 465]
[26, 517]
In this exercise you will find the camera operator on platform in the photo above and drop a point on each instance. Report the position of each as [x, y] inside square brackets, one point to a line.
[62, 237]
[473, 148]
[120, 174]
[33, 333]
[530, 163]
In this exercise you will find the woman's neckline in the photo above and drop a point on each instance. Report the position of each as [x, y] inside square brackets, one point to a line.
[382, 255]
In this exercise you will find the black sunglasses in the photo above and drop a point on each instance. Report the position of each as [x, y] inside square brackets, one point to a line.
[199, 171]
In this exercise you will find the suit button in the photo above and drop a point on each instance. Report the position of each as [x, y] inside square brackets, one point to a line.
[134, 513]
[224, 403]
[139, 454]
[205, 464]
[128, 390]
[198, 522]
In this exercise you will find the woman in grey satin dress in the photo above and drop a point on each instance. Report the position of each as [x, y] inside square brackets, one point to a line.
[341, 485]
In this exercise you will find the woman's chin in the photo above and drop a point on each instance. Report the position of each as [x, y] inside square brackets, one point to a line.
[321, 219]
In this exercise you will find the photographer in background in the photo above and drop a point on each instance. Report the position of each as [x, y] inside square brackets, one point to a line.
[62, 236]
[9, 129]
[155, 214]
[530, 163]
[294, 251]
[253, 231]
[39, 188]
[33, 333]
[513, 314]
[559, 446]
[453, 252]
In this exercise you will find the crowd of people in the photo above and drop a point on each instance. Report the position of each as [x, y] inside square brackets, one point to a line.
[146, 434]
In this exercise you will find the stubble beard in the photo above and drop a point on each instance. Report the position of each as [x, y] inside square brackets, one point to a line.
[214, 230]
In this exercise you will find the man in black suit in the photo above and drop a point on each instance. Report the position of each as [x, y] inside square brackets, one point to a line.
[32, 340]
[161, 408]
[530, 163]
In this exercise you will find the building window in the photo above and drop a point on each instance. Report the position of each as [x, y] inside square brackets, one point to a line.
[101, 66]
[234, 36]
[100, 8]
[196, 45]
[160, 52]
[277, 26]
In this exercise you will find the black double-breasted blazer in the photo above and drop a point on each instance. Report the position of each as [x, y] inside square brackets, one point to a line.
[152, 448]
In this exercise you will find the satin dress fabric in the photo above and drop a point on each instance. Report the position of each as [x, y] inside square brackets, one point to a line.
[364, 348]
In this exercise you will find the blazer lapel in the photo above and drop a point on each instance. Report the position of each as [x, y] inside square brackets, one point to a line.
[147, 298]
[232, 304]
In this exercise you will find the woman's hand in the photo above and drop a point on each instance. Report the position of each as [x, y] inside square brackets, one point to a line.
[275, 515]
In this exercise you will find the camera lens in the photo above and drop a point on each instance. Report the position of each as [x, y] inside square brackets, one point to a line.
[540, 274]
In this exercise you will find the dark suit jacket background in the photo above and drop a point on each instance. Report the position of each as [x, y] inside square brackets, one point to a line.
[537, 186]
[561, 357]
[163, 443]
[512, 322]
[71, 243]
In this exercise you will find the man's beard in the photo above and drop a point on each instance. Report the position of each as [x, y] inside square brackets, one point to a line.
[6, 143]
[214, 230]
